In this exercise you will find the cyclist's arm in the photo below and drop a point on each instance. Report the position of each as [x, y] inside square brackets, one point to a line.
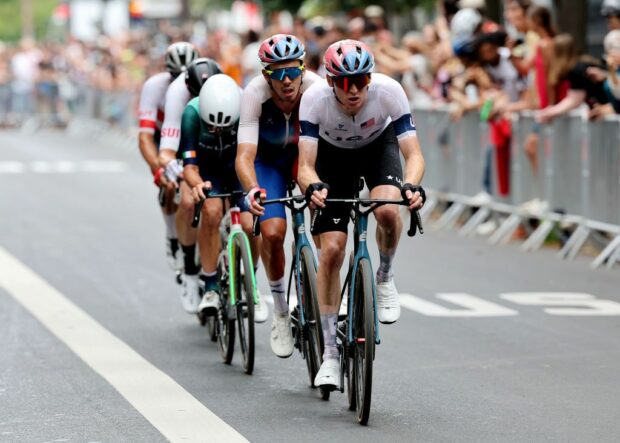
[306, 174]
[148, 149]
[247, 138]
[397, 104]
[190, 134]
[244, 165]
[177, 97]
[414, 160]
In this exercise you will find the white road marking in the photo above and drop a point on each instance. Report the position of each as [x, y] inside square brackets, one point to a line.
[574, 304]
[12, 167]
[62, 166]
[178, 415]
[474, 306]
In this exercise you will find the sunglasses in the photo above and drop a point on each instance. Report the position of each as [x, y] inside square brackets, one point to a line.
[346, 83]
[282, 73]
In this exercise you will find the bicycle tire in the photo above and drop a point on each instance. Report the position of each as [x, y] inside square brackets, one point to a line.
[244, 297]
[364, 328]
[349, 356]
[313, 348]
[226, 331]
[210, 323]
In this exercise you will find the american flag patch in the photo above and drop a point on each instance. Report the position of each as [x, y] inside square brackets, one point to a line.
[189, 154]
[368, 123]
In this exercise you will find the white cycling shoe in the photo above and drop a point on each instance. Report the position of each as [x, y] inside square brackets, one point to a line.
[281, 335]
[261, 311]
[175, 259]
[210, 303]
[190, 294]
[328, 375]
[388, 306]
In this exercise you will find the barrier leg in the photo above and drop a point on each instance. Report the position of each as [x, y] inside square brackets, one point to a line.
[576, 240]
[536, 240]
[615, 256]
[607, 252]
[505, 231]
[579, 243]
[428, 208]
[480, 216]
[451, 216]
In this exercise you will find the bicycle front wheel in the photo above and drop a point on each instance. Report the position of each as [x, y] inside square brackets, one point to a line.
[226, 330]
[245, 288]
[364, 339]
[313, 347]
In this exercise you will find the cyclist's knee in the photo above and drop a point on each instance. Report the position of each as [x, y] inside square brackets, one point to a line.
[273, 233]
[332, 253]
[387, 216]
[211, 216]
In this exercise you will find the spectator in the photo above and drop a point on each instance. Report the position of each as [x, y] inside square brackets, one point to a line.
[610, 9]
[582, 89]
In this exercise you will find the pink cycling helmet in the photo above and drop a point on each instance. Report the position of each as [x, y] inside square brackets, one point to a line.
[281, 48]
[348, 57]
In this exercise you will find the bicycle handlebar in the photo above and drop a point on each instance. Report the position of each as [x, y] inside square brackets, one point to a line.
[198, 206]
[292, 202]
[415, 221]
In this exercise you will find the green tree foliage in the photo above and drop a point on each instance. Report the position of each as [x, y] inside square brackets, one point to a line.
[11, 19]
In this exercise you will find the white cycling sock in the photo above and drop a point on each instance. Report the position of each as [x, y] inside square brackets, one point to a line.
[278, 290]
[329, 323]
[171, 226]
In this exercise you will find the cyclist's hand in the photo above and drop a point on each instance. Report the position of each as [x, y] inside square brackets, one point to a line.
[414, 194]
[316, 193]
[159, 178]
[251, 200]
[173, 171]
[198, 191]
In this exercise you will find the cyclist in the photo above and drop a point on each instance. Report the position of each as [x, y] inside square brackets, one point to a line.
[152, 102]
[266, 153]
[178, 95]
[208, 148]
[353, 127]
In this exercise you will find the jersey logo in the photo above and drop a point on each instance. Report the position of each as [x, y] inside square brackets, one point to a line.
[336, 220]
[368, 123]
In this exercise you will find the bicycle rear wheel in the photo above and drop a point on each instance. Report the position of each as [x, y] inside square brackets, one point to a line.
[244, 296]
[364, 339]
[313, 346]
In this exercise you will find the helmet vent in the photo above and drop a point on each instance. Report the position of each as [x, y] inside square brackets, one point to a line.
[227, 120]
[220, 117]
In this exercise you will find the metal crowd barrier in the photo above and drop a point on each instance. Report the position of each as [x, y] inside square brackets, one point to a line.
[577, 181]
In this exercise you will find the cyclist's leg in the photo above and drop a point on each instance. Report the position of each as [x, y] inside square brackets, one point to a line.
[273, 231]
[187, 234]
[384, 177]
[172, 243]
[331, 223]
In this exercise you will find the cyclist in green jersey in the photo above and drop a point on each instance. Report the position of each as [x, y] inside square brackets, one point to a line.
[208, 148]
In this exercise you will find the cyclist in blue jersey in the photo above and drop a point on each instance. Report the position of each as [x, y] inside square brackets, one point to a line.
[266, 154]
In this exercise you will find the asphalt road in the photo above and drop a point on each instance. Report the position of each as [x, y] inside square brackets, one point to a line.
[534, 363]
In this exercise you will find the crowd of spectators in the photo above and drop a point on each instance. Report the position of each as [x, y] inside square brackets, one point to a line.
[461, 59]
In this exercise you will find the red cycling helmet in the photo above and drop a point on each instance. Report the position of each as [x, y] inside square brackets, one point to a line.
[348, 57]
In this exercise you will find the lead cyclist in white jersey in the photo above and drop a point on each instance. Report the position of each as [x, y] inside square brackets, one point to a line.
[353, 126]
[152, 103]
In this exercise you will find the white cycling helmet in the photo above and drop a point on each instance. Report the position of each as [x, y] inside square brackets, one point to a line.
[179, 56]
[610, 8]
[464, 23]
[220, 101]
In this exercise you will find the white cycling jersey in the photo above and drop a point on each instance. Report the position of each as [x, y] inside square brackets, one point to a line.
[321, 115]
[177, 97]
[152, 101]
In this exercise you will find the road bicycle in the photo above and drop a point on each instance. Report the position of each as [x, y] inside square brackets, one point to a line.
[237, 282]
[306, 317]
[358, 334]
